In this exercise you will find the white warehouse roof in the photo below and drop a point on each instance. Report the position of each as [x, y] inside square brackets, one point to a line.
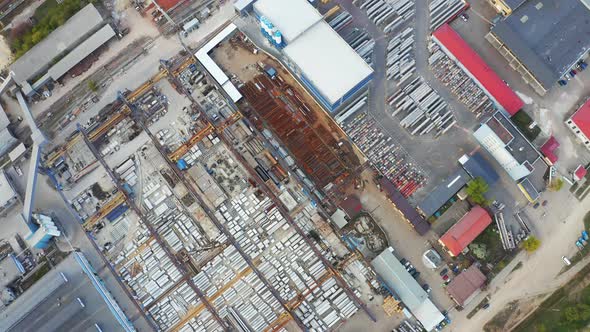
[397, 279]
[203, 56]
[291, 17]
[496, 147]
[327, 61]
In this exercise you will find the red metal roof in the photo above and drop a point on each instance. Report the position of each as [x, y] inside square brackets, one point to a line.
[466, 230]
[167, 4]
[549, 148]
[478, 68]
[580, 173]
[582, 118]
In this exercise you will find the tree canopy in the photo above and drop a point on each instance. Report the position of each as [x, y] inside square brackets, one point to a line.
[531, 244]
[476, 189]
[55, 15]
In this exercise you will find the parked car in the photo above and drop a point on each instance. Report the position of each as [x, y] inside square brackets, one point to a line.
[403, 261]
[416, 274]
[464, 17]
[445, 277]
[444, 271]
[426, 288]
[582, 65]
[566, 261]
[485, 306]
[18, 171]
[562, 82]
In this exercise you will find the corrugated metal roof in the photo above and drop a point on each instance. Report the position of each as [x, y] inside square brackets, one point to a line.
[409, 291]
[443, 192]
[452, 43]
[291, 17]
[468, 282]
[582, 118]
[401, 203]
[81, 51]
[87, 20]
[327, 61]
[477, 166]
[466, 230]
[549, 149]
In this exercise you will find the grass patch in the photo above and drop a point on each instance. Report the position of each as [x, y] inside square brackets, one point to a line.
[567, 309]
[49, 16]
[522, 121]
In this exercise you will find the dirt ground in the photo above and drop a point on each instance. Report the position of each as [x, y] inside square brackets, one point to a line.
[238, 60]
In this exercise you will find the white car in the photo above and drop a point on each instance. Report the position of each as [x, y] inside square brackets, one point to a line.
[566, 261]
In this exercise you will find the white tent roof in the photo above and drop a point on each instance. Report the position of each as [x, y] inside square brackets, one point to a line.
[328, 61]
[395, 276]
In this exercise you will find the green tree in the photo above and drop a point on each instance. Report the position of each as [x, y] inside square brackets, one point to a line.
[476, 190]
[556, 185]
[531, 243]
[92, 86]
[570, 314]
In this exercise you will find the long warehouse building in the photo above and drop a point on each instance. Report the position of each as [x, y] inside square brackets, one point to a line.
[61, 50]
[322, 60]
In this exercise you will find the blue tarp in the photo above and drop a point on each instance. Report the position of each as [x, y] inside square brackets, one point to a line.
[117, 212]
[181, 164]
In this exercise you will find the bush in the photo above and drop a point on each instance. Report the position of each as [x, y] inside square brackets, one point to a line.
[92, 86]
[556, 185]
[531, 244]
[476, 189]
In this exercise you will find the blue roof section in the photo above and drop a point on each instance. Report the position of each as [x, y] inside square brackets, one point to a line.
[443, 192]
[477, 166]
[117, 212]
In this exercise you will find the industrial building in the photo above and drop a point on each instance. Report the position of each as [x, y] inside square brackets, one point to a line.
[543, 40]
[477, 69]
[579, 124]
[508, 146]
[549, 148]
[506, 7]
[458, 237]
[403, 206]
[68, 297]
[216, 72]
[478, 167]
[403, 286]
[7, 193]
[10, 270]
[63, 49]
[443, 192]
[464, 287]
[7, 140]
[324, 63]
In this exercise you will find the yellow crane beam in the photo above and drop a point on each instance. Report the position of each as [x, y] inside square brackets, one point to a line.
[181, 150]
[117, 200]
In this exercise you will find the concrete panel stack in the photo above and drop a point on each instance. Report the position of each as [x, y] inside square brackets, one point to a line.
[170, 309]
[422, 109]
[460, 84]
